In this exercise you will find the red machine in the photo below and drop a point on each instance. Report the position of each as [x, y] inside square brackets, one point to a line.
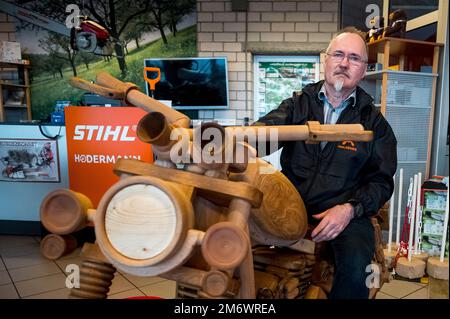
[89, 36]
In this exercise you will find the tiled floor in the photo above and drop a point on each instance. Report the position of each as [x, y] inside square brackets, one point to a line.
[25, 273]
[399, 289]
[403, 289]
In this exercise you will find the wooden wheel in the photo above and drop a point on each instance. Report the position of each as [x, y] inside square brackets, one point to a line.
[142, 221]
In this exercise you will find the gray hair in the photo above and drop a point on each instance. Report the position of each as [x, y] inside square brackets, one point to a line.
[353, 30]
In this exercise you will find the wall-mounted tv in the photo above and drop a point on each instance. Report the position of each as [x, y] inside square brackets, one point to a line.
[190, 83]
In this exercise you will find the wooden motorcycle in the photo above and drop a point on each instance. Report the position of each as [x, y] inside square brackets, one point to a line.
[210, 225]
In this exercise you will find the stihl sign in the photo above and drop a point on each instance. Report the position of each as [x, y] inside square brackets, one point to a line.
[96, 138]
[104, 133]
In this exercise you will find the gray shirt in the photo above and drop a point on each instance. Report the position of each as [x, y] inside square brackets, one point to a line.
[330, 114]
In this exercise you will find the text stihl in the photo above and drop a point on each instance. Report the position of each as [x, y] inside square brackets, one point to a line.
[103, 133]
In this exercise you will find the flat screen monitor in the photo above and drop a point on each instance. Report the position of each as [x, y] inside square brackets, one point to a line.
[190, 83]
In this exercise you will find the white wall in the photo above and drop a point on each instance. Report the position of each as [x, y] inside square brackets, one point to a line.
[20, 201]
[275, 27]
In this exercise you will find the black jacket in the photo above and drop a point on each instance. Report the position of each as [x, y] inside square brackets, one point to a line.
[342, 170]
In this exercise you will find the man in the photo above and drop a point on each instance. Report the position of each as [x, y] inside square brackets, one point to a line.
[342, 184]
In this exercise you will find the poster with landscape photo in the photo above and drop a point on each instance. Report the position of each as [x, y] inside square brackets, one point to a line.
[138, 29]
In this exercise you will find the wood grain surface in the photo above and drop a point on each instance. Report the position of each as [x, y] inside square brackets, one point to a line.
[140, 221]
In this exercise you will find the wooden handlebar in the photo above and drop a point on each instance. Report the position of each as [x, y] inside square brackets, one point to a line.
[312, 132]
[92, 87]
[110, 87]
[105, 79]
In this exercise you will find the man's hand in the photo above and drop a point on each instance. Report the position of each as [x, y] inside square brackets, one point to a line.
[334, 221]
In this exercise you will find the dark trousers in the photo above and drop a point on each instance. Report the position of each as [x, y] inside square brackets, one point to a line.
[353, 251]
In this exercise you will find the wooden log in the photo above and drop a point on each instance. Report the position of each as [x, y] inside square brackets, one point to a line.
[437, 269]
[315, 292]
[292, 294]
[291, 284]
[410, 269]
[192, 287]
[266, 284]
[287, 259]
[214, 282]
[421, 256]
[64, 211]
[55, 246]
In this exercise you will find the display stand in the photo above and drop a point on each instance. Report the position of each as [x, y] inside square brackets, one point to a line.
[23, 102]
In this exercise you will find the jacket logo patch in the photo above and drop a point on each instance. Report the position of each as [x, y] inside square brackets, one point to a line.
[347, 145]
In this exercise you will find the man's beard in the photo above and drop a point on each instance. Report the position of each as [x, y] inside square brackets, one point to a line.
[338, 84]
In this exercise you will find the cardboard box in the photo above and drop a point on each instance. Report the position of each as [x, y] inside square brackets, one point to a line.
[10, 52]
[432, 245]
[433, 215]
[435, 200]
[432, 226]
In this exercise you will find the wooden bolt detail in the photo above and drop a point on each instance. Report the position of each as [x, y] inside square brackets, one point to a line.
[314, 128]
[215, 283]
[225, 245]
[55, 246]
[95, 279]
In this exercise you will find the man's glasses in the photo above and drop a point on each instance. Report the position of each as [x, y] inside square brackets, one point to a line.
[339, 56]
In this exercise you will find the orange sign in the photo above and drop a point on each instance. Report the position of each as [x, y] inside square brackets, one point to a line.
[96, 138]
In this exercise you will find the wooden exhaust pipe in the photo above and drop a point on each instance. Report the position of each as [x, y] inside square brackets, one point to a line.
[153, 128]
